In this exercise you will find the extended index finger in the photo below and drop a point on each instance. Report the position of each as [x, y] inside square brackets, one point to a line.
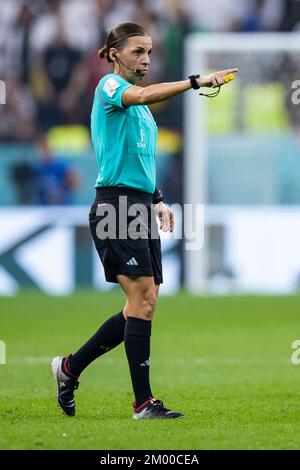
[228, 71]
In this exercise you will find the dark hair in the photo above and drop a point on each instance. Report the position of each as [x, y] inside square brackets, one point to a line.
[117, 37]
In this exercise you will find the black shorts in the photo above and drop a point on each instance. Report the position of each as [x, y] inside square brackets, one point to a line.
[127, 243]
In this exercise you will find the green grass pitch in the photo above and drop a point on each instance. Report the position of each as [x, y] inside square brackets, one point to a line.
[223, 361]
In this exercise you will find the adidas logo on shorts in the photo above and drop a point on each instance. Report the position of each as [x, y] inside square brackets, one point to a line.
[132, 262]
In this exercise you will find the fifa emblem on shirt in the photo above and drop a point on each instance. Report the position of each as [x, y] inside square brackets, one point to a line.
[142, 144]
[110, 86]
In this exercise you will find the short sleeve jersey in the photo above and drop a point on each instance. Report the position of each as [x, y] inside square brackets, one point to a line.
[124, 138]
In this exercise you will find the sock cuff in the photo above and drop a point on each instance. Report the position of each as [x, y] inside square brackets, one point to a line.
[137, 327]
[65, 367]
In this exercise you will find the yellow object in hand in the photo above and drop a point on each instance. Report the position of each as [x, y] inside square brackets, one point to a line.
[229, 77]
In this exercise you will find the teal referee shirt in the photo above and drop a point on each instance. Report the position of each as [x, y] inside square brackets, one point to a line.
[124, 138]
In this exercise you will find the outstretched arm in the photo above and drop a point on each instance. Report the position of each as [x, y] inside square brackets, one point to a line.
[136, 95]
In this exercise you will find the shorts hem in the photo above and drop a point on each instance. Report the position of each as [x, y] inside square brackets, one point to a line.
[113, 277]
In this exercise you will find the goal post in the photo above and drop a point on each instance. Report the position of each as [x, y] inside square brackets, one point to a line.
[258, 57]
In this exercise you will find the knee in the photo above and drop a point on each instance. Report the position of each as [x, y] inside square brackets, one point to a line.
[149, 304]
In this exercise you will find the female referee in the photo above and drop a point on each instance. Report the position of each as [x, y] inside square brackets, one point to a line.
[124, 137]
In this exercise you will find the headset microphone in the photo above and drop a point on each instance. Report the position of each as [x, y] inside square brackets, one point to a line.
[132, 70]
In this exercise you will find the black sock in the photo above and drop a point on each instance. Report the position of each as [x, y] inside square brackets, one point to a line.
[137, 346]
[109, 335]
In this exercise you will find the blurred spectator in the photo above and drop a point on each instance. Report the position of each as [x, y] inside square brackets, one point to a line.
[22, 174]
[62, 84]
[18, 114]
[51, 47]
[17, 50]
[113, 12]
[236, 15]
[8, 15]
[291, 17]
[261, 15]
[46, 26]
[22, 34]
[55, 182]
[24, 25]
[215, 15]
[82, 22]
[176, 29]
[155, 25]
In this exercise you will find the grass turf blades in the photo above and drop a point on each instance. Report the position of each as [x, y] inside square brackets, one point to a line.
[224, 362]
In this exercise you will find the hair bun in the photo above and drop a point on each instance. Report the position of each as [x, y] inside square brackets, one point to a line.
[102, 52]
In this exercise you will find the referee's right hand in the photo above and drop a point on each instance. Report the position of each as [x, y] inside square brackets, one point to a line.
[166, 217]
[215, 79]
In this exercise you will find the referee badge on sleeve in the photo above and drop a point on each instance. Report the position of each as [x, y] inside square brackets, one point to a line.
[110, 86]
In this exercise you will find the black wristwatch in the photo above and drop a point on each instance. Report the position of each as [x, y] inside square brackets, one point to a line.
[193, 81]
[158, 196]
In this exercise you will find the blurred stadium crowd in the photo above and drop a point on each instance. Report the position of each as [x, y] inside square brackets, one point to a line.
[48, 49]
[48, 55]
